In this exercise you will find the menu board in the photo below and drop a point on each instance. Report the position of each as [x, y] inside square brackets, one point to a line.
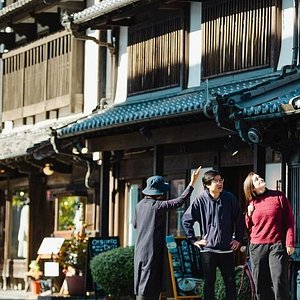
[97, 245]
[185, 267]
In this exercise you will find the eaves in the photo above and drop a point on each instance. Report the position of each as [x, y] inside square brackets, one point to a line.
[161, 111]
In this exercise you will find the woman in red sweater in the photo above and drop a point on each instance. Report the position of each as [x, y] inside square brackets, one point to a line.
[270, 223]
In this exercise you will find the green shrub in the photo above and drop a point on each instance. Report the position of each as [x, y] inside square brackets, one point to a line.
[113, 271]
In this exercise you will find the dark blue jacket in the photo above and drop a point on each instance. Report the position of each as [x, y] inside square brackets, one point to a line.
[220, 220]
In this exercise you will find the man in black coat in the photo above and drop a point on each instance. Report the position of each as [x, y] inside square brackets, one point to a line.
[150, 220]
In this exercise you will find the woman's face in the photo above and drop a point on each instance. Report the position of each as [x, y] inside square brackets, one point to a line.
[258, 183]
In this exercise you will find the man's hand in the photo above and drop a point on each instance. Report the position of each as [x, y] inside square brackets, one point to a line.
[290, 250]
[235, 245]
[200, 243]
[195, 176]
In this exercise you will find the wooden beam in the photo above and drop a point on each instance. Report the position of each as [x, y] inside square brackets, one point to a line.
[104, 194]
[27, 29]
[259, 161]
[158, 163]
[52, 20]
[167, 135]
[8, 39]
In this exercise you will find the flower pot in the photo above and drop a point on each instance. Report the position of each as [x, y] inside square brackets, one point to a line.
[36, 287]
[75, 285]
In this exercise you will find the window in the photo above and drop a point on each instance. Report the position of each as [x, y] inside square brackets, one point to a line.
[134, 195]
[71, 212]
[240, 34]
[19, 225]
[175, 215]
[155, 55]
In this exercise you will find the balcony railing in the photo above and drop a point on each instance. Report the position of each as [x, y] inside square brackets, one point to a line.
[43, 79]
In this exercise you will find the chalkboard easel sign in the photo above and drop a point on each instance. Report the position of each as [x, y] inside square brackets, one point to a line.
[185, 268]
[97, 245]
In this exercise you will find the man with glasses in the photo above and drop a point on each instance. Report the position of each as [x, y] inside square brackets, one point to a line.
[220, 220]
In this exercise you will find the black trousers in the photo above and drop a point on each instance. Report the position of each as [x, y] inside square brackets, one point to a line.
[225, 262]
[270, 271]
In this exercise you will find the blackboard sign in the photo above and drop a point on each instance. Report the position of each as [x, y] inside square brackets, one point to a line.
[185, 267]
[97, 245]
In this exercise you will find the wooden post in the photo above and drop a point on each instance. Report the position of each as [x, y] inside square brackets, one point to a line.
[158, 167]
[259, 163]
[104, 194]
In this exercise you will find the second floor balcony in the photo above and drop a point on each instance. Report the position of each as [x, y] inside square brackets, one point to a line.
[43, 80]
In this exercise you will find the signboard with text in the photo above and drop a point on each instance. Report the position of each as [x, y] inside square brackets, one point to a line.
[98, 245]
[185, 267]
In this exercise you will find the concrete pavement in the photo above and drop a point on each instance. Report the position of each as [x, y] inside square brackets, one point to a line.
[17, 295]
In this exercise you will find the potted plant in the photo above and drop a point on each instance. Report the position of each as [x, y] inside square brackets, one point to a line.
[72, 258]
[113, 272]
[35, 274]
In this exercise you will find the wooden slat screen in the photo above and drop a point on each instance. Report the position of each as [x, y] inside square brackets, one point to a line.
[59, 59]
[37, 72]
[239, 34]
[13, 68]
[155, 55]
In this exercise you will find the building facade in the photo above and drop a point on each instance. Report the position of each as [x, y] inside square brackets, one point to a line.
[156, 87]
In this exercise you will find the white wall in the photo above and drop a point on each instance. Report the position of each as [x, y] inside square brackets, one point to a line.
[91, 67]
[197, 190]
[285, 57]
[195, 41]
[121, 91]
[273, 175]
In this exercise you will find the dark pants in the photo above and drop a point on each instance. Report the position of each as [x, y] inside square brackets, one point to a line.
[270, 271]
[224, 261]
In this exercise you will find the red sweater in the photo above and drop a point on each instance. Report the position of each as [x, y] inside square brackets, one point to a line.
[272, 219]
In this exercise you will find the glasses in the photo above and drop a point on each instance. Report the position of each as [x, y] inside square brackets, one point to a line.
[218, 180]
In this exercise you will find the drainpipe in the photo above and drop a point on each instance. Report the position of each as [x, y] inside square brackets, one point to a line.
[1, 85]
[295, 35]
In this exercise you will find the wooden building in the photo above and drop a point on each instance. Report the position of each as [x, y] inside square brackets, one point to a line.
[172, 85]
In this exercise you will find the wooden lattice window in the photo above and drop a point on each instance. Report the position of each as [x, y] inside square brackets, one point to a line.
[240, 34]
[155, 55]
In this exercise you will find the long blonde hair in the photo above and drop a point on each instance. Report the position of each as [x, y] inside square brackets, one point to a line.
[249, 187]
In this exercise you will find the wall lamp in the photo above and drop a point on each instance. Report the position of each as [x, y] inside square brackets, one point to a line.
[231, 146]
[48, 169]
[79, 149]
[97, 157]
[146, 132]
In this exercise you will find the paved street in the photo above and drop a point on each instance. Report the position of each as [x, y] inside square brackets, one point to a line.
[15, 294]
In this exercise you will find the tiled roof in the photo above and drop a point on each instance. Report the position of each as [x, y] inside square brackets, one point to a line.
[99, 9]
[188, 102]
[269, 100]
[273, 106]
[14, 6]
[14, 143]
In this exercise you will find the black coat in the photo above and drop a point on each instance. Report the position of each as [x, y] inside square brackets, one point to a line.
[150, 221]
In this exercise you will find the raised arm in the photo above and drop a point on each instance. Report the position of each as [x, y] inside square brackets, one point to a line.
[179, 201]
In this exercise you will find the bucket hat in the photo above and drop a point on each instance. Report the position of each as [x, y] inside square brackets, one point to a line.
[156, 186]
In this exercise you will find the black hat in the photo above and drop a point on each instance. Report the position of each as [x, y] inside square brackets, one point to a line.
[156, 186]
